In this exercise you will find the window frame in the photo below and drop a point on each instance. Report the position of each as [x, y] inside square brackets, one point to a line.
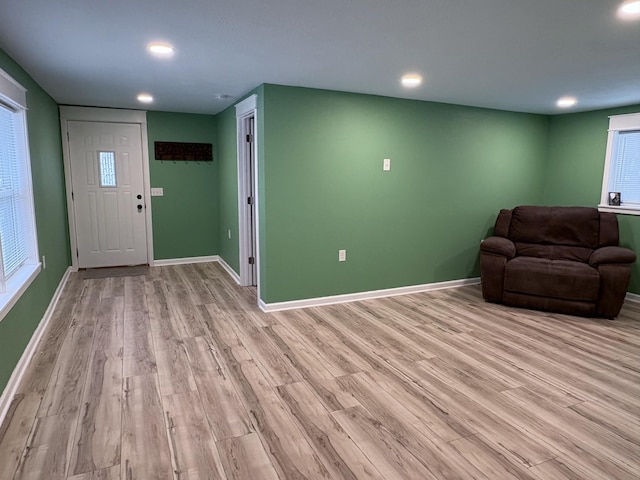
[617, 123]
[14, 97]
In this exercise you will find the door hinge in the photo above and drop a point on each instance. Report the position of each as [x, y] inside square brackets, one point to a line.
[252, 260]
[249, 138]
[72, 198]
[249, 201]
[77, 253]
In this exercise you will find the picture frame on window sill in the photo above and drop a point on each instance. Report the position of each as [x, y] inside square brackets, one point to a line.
[614, 199]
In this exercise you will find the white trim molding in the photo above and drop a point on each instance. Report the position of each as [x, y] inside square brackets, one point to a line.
[184, 261]
[232, 273]
[245, 110]
[105, 115]
[632, 297]
[21, 368]
[355, 297]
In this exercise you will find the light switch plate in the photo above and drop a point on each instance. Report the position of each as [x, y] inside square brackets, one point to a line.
[157, 192]
[386, 164]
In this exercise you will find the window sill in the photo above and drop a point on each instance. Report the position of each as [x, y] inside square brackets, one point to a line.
[622, 210]
[16, 286]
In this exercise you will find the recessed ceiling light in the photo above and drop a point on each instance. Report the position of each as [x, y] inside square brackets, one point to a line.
[629, 10]
[411, 80]
[222, 96]
[566, 102]
[161, 49]
[145, 98]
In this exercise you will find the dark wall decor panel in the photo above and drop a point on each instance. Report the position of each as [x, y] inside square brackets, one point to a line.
[199, 152]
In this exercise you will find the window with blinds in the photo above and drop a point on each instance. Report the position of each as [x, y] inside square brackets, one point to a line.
[14, 195]
[621, 179]
[18, 243]
[625, 167]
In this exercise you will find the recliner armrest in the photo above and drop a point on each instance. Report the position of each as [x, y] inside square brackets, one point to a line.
[610, 255]
[499, 246]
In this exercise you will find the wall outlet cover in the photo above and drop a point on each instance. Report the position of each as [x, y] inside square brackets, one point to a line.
[157, 192]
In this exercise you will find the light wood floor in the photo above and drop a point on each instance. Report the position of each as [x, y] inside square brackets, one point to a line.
[177, 375]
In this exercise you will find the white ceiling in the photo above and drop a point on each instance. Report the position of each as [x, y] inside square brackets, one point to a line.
[506, 54]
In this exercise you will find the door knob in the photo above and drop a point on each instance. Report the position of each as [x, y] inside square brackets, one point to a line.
[139, 207]
[139, 197]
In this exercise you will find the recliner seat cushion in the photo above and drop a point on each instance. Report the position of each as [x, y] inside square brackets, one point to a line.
[552, 278]
[554, 252]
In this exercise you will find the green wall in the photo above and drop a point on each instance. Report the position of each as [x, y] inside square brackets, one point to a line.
[51, 220]
[228, 188]
[185, 219]
[575, 163]
[323, 188]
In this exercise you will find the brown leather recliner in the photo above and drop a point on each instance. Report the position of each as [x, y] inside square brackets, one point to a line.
[560, 259]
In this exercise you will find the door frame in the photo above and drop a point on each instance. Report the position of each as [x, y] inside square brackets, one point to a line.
[246, 109]
[104, 115]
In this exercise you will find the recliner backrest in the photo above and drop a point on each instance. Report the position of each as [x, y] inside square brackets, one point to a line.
[557, 233]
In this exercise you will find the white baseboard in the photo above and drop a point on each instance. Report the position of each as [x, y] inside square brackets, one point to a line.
[25, 359]
[229, 270]
[354, 297]
[184, 261]
[632, 297]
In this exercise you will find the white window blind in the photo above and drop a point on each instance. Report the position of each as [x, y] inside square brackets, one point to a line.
[622, 166]
[625, 169]
[19, 263]
[14, 194]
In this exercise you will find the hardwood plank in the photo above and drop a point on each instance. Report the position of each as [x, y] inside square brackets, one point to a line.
[225, 413]
[193, 451]
[276, 367]
[145, 449]
[554, 469]
[38, 372]
[506, 437]
[336, 356]
[15, 430]
[138, 352]
[491, 462]
[311, 370]
[288, 450]
[602, 440]
[244, 458]
[434, 415]
[436, 455]
[48, 449]
[98, 436]
[64, 392]
[385, 452]
[338, 452]
[109, 473]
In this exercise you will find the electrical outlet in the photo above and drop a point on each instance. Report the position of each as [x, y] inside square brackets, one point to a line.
[157, 192]
[44, 262]
[342, 255]
[386, 164]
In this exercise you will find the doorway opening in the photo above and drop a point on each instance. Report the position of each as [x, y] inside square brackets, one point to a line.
[246, 113]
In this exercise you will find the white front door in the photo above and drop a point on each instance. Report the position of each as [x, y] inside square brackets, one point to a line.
[108, 193]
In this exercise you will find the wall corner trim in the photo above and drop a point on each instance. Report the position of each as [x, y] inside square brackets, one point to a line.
[184, 261]
[354, 297]
[232, 273]
[16, 377]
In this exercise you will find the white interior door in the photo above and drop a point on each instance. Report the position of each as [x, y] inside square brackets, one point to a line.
[108, 193]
